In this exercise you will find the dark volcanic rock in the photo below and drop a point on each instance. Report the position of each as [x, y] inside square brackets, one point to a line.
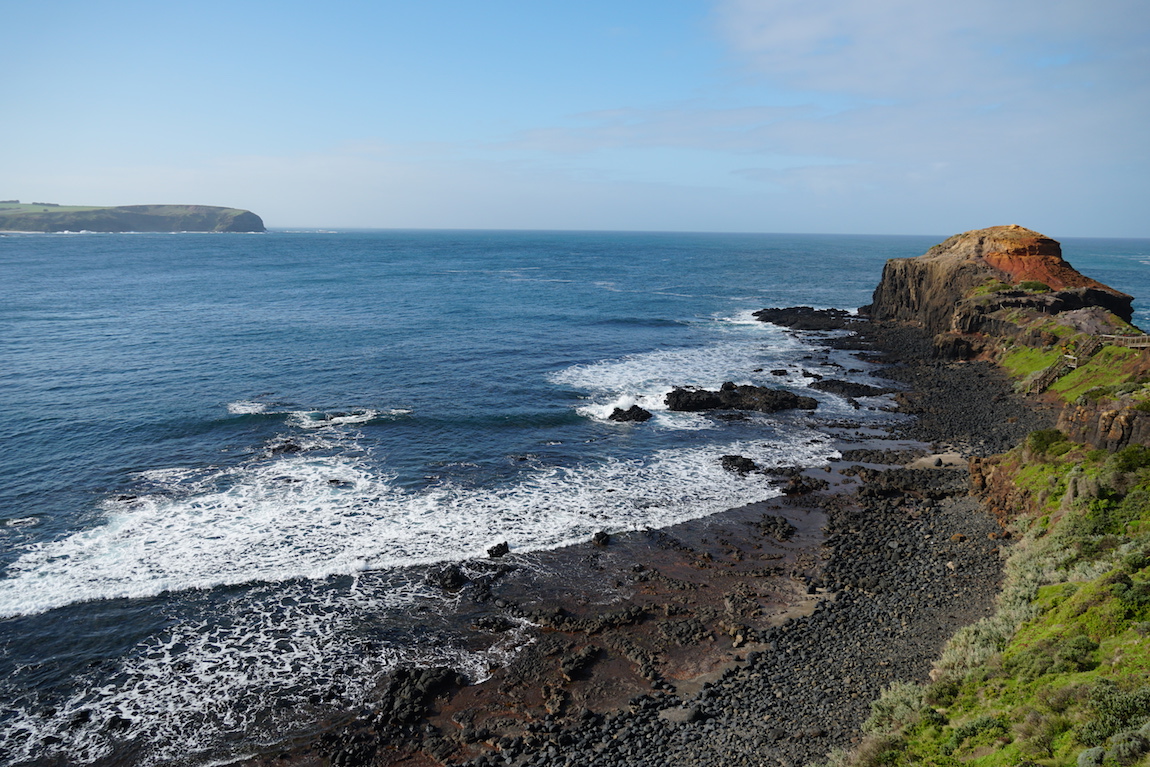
[738, 463]
[498, 550]
[776, 527]
[801, 485]
[806, 318]
[448, 578]
[732, 397]
[633, 413]
[848, 388]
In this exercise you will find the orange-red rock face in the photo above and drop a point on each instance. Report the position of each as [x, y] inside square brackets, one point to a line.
[1027, 255]
[928, 289]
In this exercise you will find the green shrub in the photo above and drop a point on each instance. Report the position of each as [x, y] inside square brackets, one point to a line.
[1059, 699]
[1092, 757]
[1037, 733]
[1131, 458]
[1033, 286]
[1105, 515]
[1136, 560]
[1048, 442]
[983, 726]
[1127, 747]
[1112, 711]
[1068, 656]
[1135, 596]
[898, 705]
[1076, 654]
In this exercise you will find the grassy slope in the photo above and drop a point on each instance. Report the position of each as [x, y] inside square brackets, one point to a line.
[1065, 665]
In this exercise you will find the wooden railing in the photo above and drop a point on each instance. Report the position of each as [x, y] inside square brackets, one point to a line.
[1134, 342]
[1088, 349]
[1042, 381]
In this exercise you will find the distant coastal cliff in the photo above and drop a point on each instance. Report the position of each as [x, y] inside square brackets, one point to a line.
[48, 217]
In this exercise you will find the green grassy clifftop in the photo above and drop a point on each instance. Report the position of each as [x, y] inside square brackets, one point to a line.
[47, 217]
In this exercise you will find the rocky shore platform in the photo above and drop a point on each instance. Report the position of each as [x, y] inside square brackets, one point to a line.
[754, 637]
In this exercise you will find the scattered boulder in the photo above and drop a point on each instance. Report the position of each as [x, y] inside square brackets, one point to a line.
[800, 484]
[682, 714]
[805, 318]
[449, 578]
[496, 624]
[574, 665]
[498, 550]
[776, 527]
[601, 538]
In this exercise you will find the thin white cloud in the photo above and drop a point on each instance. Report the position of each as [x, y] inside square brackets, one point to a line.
[910, 49]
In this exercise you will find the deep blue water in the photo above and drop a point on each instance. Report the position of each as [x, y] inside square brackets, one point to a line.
[221, 452]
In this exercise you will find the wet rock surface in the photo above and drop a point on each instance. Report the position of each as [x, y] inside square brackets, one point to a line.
[848, 388]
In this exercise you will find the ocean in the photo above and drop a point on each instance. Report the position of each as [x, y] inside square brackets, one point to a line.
[228, 459]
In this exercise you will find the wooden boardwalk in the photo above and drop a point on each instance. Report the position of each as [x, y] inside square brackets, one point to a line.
[1088, 349]
[1134, 342]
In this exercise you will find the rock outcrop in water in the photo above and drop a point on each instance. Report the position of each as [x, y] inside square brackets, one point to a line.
[42, 217]
[964, 284]
[732, 397]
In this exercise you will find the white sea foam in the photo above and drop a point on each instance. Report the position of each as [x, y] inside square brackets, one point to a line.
[281, 525]
[318, 419]
[255, 668]
[22, 522]
[303, 516]
[645, 379]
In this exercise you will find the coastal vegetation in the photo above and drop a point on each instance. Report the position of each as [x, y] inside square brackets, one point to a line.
[50, 217]
[1060, 674]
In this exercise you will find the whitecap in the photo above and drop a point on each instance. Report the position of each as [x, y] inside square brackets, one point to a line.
[22, 522]
[318, 419]
[246, 407]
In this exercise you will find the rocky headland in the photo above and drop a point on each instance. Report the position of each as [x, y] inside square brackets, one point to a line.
[971, 586]
[996, 282]
[48, 217]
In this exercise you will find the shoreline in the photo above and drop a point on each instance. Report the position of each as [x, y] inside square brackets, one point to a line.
[731, 639]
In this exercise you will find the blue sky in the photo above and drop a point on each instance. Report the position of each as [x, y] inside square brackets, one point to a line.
[864, 116]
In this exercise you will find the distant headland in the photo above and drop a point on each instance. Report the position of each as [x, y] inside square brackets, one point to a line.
[50, 217]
